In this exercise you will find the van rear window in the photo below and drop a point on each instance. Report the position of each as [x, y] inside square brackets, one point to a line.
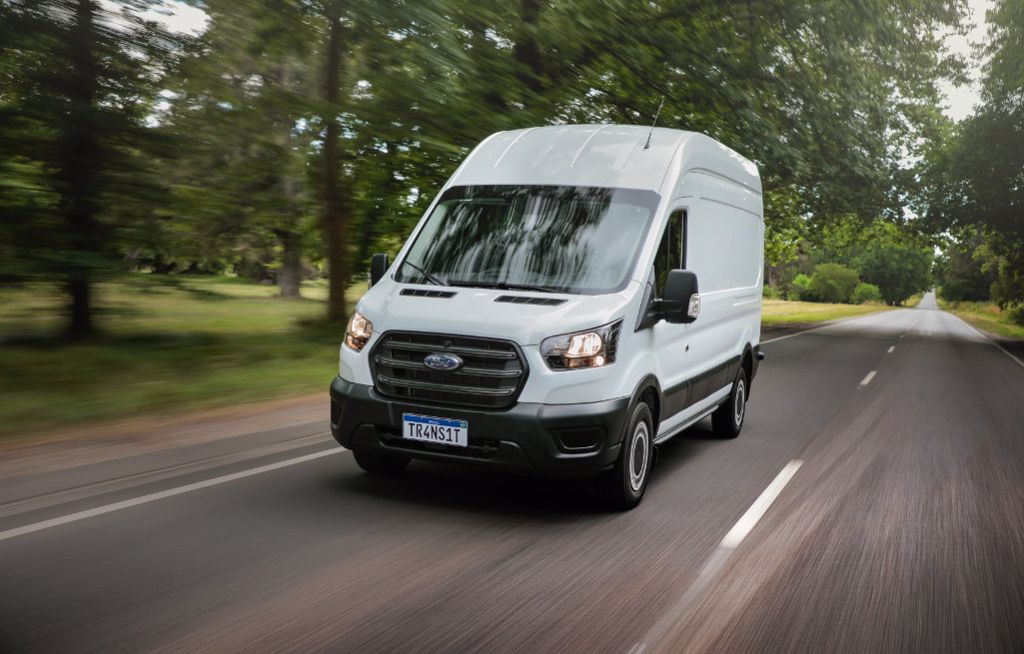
[557, 238]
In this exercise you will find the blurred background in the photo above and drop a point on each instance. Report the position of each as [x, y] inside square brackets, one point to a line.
[190, 191]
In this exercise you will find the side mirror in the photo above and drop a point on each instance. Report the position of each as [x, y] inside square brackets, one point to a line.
[378, 266]
[681, 303]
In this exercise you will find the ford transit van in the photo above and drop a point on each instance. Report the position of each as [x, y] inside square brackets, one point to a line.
[574, 296]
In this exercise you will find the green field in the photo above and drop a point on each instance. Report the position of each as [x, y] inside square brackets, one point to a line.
[167, 343]
[985, 316]
[780, 313]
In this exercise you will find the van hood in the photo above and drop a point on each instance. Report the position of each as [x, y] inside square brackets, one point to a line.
[474, 311]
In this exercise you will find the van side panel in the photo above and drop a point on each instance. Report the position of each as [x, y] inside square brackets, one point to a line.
[724, 247]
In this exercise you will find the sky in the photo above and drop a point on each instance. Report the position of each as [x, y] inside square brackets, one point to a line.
[180, 17]
[960, 101]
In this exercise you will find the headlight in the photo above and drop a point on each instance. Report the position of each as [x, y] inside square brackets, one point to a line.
[590, 349]
[358, 332]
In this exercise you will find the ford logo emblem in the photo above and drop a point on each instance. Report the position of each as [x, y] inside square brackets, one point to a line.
[443, 362]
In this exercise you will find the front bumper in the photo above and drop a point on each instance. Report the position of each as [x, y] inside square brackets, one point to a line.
[555, 440]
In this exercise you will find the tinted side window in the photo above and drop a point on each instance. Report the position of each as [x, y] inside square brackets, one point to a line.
[670, 251]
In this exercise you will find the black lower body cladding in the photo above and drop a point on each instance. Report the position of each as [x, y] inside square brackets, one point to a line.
[554, 440]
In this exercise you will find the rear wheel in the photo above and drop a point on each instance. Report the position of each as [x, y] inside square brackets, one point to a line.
[623, 486]
[727, 420]
[375, 463]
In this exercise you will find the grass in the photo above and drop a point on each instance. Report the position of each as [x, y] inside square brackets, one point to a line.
[183, 342]
[167, 343]
[778, 313]
[986, 316]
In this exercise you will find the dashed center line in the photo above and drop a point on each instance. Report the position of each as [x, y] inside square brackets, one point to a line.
[652, 639]
[868, 378]
[890, 350]
[757, 510]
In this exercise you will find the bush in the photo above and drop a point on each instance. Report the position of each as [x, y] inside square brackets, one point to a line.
[801, 288]
[1016, 314]
[833, 282]
[866, 293]
[771, 293]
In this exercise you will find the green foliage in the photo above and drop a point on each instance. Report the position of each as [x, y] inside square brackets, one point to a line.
[1016, 314]
[1008, 288]
[262, 162]
[77, 84]
[966, 270]
[865, 293]
[899, 271]
[783, 226]
[833, 282]
[971, 178]
[801, 288]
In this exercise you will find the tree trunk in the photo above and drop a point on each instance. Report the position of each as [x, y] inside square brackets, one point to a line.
[79, 306]
[335, 217]
[78, 172]
[289, 278]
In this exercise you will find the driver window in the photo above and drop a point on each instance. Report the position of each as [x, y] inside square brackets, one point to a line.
[671, 251]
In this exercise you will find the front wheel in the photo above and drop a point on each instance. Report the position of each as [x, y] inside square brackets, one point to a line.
[623, 486]
[384, 465]
[727, 420]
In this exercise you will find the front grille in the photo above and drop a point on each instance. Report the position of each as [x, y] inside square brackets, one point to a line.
[491, 375]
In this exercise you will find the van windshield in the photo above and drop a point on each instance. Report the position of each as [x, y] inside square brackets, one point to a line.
[565, 239]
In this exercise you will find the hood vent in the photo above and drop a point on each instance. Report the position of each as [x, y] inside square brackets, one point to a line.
[422, 292]
[522, 299]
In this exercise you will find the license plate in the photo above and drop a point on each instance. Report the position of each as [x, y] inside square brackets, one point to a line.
[435, 430]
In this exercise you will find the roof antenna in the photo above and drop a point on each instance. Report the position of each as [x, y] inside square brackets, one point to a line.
[647, 146]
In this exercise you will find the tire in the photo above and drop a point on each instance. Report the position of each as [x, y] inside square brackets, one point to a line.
[727, 420]
[623, 486]
[383, 465]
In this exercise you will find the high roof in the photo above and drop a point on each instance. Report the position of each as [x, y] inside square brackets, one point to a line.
[610, 156]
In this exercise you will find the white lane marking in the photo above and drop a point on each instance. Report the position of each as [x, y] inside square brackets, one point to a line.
[84, 492]
[717, 560]
[747, 521]
[891, 348]
[868, 378]
[153, 497]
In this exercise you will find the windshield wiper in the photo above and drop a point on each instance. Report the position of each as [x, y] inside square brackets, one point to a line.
[503, 286]
[430, 278]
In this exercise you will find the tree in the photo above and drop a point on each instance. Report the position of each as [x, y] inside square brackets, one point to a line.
[833, 282]
[75, 101]
[964, 271]
[241, 110]
[972, 179]
[899, 271]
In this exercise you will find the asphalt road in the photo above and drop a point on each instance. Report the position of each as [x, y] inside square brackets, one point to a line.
[873, 502]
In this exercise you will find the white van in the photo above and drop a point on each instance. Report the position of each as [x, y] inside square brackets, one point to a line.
[544, 315]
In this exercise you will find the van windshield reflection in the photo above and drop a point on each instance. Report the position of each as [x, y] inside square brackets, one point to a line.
[557, 239]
